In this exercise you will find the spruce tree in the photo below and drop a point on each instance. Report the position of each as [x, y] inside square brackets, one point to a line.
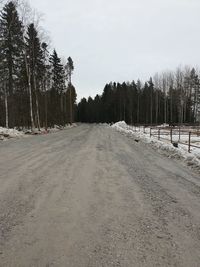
[34, 60]
[57, 88]
[70, 69]
[11, 47]
[195, 94]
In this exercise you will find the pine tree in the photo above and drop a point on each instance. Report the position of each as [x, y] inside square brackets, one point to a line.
[57, 88]
[45, 80]
[11, 47]
[151, 92]
[34, 58]
[70, 69]
[71, 100]
[195, 93]
[33, 89]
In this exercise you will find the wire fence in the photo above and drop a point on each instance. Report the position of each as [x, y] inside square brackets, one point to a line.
[184, 135]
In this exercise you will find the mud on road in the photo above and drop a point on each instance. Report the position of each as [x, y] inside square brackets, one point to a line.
[90, 196]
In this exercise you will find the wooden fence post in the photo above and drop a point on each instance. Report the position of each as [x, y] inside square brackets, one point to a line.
[150, 132]
[171, 135]
[197, 132]
[189, 143]
[158, 134]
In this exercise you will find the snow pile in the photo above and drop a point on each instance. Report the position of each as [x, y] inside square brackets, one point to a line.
[120, 126]
[14, 133]
[9, 133]
[165, 147]
[55, 129]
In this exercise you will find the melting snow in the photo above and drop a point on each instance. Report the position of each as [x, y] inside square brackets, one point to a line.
[14, 133]
[192, 159]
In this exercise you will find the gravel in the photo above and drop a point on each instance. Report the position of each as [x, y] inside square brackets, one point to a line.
[89, 196]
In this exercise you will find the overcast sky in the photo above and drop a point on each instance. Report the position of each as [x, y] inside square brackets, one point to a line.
[122, 40]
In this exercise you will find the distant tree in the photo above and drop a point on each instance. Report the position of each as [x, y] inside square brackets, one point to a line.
[151, 94]
[70, 69]
[171, 97]
[71, 100]
[82, 110]
[57, 88]
[195, 93]
[46, 79]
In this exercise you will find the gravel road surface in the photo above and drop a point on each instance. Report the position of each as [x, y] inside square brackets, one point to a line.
[92, 197]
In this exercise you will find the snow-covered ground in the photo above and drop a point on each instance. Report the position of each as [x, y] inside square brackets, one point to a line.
[164, 146]
[6, 134]
[9, 133]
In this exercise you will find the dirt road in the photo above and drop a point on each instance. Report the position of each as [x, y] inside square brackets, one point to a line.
[92, 197]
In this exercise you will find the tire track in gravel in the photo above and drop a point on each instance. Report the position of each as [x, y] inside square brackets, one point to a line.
[91, 197]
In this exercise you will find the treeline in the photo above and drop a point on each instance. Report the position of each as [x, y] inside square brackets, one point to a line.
[170, 97]
[35, 86]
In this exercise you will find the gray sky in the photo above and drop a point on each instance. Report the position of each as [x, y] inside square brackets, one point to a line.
[122, 40]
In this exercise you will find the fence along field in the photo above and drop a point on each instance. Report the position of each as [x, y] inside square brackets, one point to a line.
[184, 135]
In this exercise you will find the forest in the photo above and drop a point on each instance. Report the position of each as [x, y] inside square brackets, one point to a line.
[36, 87]
[169, 97]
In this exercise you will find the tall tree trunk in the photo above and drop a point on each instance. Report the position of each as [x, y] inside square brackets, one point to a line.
[171, 107]
[30, 92]
[37, 103]
[124, 113]
[156, 106]
[62, 109]
[6, 107]
[165, 109]
[151, 107]
[46, 112]
[70, 103]
[138, 108]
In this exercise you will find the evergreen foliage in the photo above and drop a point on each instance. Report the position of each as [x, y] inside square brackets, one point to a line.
[36, 87]
[168, 98]
[33, 84]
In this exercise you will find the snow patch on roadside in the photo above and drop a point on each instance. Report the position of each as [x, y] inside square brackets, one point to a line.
[9, 133]
[6, 134]
[191, 159]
